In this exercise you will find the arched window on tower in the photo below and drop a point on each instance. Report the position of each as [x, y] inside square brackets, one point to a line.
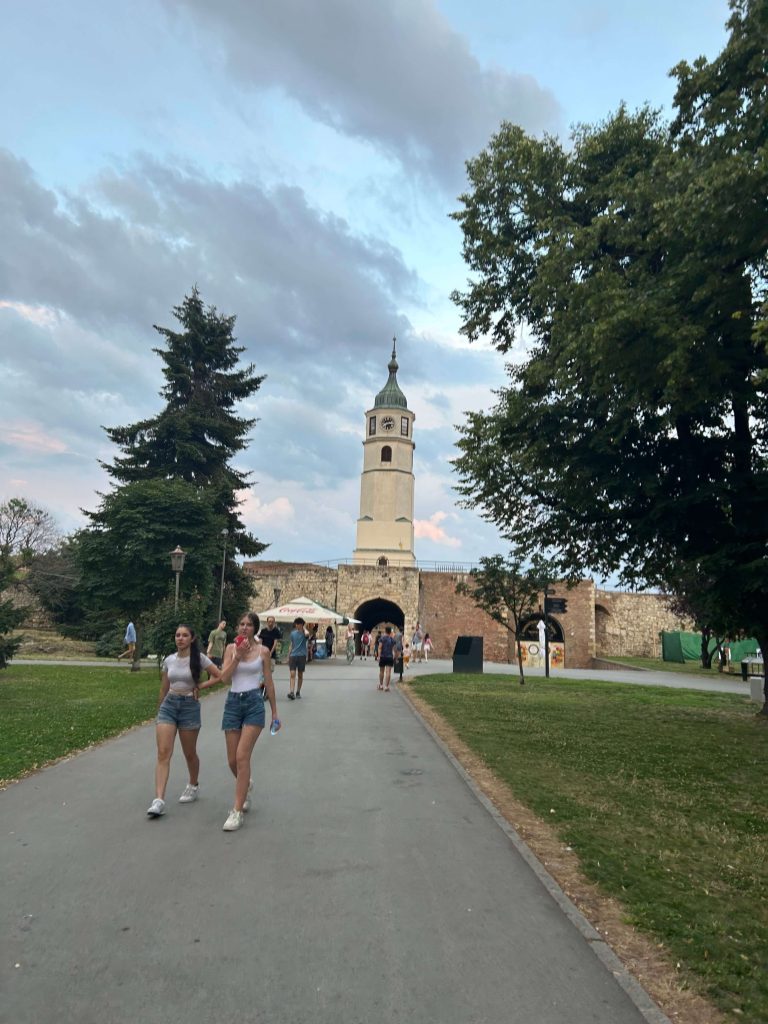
[382, 561]
[386, 453]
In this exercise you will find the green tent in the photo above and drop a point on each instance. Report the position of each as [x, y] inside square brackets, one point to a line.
[683, 647]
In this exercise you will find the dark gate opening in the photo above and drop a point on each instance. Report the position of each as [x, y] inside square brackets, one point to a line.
[376, 614]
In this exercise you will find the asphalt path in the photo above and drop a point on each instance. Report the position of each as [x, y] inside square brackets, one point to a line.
[370, 883]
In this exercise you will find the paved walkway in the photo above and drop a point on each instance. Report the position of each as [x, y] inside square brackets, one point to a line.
[369, 885]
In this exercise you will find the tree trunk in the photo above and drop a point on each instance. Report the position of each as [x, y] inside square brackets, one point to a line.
[762, 639]
[136, 663]
[520, 661]
[706, 657]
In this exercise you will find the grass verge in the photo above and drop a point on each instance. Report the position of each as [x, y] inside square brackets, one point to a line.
[48, 711]
[689, 668]
[660, 794]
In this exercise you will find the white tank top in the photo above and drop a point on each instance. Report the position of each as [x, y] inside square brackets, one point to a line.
[248, 675]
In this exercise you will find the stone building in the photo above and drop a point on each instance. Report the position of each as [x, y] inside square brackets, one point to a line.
[383, 583]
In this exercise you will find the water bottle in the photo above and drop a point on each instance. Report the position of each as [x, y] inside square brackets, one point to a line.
[275, 727]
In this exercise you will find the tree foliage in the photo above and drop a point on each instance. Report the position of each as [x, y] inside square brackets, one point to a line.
[175, 482]
[198, 432]
[631, 437]
[25, 529]
[124, 556]
[509, 590]
[54, 578]
[10, 616]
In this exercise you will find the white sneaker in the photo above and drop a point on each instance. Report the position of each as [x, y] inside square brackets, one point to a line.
[247, 801]
[156, 808]
[190, 793]
[233, 822]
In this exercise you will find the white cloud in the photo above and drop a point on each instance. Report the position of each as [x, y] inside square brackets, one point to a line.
[256, 512]
[430, 529]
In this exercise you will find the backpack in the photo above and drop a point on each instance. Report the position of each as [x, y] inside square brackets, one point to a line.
[386, 647]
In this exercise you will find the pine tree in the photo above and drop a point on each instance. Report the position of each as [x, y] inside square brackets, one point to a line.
[197, 433]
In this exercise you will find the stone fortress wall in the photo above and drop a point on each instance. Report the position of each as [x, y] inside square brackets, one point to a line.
[629, 624]
[597, 624]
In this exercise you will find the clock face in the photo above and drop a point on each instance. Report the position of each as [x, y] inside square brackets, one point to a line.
[387, 423]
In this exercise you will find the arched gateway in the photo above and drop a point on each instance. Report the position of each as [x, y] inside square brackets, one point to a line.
[377, 613]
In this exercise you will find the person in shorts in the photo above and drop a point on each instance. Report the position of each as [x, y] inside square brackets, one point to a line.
[130, 642]
[179, 712]
[386, 658]
[297, 658]
[248, 664]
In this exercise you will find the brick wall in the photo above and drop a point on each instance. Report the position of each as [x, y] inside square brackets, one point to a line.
[445, 615]
[598, 623]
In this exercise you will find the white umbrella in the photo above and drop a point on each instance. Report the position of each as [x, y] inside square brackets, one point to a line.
[303, 608]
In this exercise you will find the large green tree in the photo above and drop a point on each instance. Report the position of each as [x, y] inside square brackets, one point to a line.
[632, 434]
[198, 432]
[124, 556]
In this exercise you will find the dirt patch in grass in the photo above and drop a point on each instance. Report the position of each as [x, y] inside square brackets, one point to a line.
[646, 960]
[47, 643]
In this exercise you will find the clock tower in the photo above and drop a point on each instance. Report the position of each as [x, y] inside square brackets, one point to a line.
[385, 525]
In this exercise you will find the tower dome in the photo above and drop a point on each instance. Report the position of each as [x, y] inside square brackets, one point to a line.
[390, 395]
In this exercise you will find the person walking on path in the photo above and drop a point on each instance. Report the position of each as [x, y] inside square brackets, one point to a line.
[351, 642]
[217, 641]
[365, 645]
[270, 636]
[398, 654]
[179, 711]
[386, 658]
[248, 667]
[297, 658]
[427, 646]
[130, 641]
[416, 643]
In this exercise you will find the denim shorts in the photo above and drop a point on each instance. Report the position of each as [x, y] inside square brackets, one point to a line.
[243, 709]
[183, 712]
[297, 661]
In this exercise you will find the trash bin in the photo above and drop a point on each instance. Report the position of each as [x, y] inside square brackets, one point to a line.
[468, 654]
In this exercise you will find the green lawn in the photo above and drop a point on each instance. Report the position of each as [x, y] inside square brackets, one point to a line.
[47, 711]
[658, 665]
[660, 792]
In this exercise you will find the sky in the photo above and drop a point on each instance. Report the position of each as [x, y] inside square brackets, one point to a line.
[297, 161]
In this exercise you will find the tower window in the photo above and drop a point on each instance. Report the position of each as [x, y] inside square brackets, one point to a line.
[386, 453]
[404, 426]
[371, 425]
[382, 561]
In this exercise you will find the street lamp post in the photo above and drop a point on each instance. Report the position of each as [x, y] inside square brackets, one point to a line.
[177, 565]
[224, 535]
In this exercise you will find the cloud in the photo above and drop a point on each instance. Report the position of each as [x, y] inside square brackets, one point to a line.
[430, 529]
[394, 73]
[32, 437]
[265, 513]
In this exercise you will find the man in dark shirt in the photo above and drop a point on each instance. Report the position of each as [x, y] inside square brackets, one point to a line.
[271, 635]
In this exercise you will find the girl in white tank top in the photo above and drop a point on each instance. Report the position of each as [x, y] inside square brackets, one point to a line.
[248, 665]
